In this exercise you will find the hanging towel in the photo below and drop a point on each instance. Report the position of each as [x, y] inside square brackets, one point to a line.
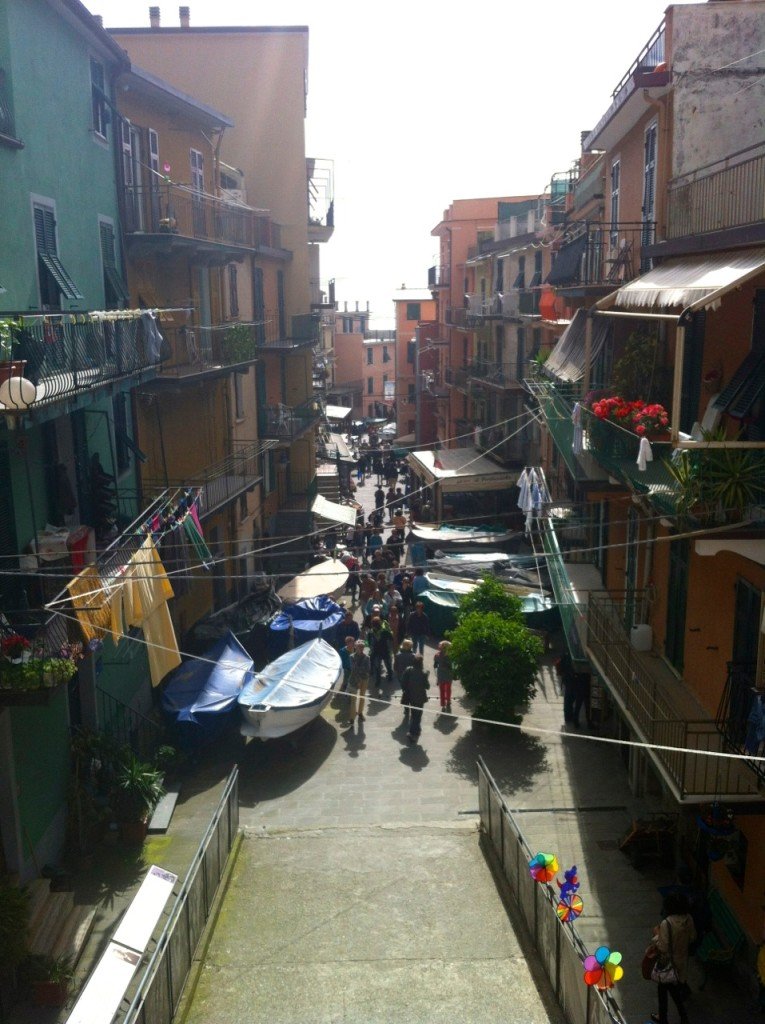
[197, 540]
[91, 603]
[645, 455]
[150, 592]
[577, 443]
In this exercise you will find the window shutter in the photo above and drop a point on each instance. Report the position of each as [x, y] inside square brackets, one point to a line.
[45, 231]
[107, 244]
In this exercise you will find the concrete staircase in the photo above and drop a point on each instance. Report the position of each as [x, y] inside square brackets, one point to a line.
[328, 482]
[57, 926]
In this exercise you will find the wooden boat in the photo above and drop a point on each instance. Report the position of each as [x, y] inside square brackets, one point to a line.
[291, 691]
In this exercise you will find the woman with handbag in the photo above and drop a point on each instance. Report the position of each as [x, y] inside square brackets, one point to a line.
[670, 970]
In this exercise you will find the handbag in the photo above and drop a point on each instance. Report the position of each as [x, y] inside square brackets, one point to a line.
[649, 958]
[663, 971]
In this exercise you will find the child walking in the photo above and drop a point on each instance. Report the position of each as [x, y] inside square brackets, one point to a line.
[444, 675]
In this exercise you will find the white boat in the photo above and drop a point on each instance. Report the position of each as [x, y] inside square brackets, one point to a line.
[329, 577]
[291, 691]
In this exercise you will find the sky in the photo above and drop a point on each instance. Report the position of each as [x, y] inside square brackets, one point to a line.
[420, 102]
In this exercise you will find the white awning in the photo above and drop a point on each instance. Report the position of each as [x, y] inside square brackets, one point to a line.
[460, 469]
[337, 412]
[687, 282]
[566, 361]
[334, 513]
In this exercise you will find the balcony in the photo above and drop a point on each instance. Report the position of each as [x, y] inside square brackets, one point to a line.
[66, 359]
[457, 377]
[223, 481]
[207, 352]
[484, 307]
[438, 277]
[272, 335]
[287, 423]
[320, 179]
[461, 318]
[601, 255]
[494, 375]
[647, 71]
[34, 680]
[171, 216]
[733, 714]
[663, 712]
[591, 185]
[727, 194]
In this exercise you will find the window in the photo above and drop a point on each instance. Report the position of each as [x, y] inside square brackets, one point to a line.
[269, 472]
[101, 114]
[649, 181]
[115, 293]
[386, 355]
[233, 291]
[7, 127]
[121, 441]
[411, 394]
[239, 395]
[197, 170]
[242, 516]
[370, 385]
[52, 277]
[520, 280]
[259, 304]
[521, 357]
[153, 150]
[616, 173]
[281, 304]
[537, 278]
[413, 310]
[411, 351]
[370, 357]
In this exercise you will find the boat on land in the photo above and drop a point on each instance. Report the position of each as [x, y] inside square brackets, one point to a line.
[291, 691]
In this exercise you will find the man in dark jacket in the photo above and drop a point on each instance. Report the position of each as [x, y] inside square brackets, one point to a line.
[418, 627]
[414, 693]
[380, 641]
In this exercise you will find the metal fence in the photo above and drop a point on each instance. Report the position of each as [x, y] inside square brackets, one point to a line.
[561, 951]
[159, 989]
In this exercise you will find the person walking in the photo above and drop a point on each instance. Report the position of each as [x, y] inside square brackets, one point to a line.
[396, 623]
[380, 641]
[377, 466]
[672, 937]
[346, 653]
[401, 663]
[418, 627]
[444, 675]
[358, 681]
[414, 693]
[349, 627]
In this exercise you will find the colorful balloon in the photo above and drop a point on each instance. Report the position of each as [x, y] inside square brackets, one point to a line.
[603, 968]
[569, 908]
[543, 867]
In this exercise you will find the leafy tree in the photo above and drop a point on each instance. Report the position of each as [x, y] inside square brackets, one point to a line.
[491, 596]
[496, 659]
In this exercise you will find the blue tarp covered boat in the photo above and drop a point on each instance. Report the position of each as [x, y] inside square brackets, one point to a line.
[303, 621]
[200, 695]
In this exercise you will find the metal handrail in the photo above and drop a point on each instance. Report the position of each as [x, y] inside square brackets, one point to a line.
[230, 797]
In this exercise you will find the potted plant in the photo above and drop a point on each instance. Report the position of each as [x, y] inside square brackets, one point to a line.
[48, 977]
[137, 790]
[15, 648]
[9, 339]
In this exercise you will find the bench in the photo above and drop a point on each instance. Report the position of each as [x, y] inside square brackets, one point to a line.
[721, 943]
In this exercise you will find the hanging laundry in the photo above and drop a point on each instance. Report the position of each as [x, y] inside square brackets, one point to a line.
[197, 540]
[145, 595]
[91, 603]
[645, 454]
[577, 443]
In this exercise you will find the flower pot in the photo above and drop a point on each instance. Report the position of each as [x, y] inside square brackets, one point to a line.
[11, 368]
[51, 993]
[133, 833]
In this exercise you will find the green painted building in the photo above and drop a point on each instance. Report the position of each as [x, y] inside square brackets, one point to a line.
[68, 462]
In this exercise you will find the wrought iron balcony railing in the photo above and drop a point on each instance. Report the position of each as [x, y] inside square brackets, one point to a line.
[175, 210]
[462, 317]
[286, 423]
[602, 254]
[646, 62]
[726, 194]
[457, 377]
[64, 358]
[734, 715]
[501, 376]
[223, 481]
[637, 684]
[438, 277]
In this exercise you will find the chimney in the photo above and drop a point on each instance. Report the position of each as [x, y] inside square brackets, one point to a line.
[154, 17]
[98, 18]
[183, 14]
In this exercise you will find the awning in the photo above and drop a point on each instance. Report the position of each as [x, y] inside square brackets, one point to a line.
[337, 412]
[690, 282]
[566, 268]
[566, 361]
[329, 510]
[460, 469]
